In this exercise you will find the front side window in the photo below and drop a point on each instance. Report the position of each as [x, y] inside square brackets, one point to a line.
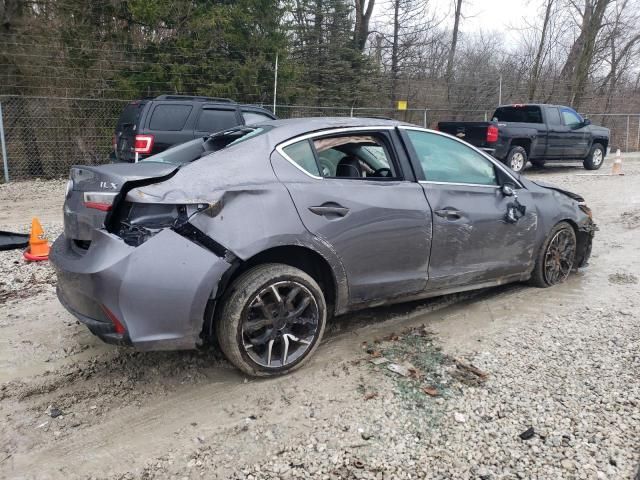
[571, 118]
[447, 160]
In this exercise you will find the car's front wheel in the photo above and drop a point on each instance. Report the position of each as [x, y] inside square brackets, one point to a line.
[556, 257]
[271, 320]
[595, 159]
[516, 159]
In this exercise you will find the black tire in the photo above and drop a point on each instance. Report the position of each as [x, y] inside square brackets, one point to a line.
[595, 159]
[539, 164]
[541, 276]
[516, 159]
[250, 297]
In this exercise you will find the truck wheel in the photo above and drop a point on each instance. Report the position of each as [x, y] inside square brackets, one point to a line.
[595, 159]
[271, 320]
[516, 159]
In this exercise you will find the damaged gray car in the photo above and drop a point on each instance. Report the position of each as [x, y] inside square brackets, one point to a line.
[256, 236]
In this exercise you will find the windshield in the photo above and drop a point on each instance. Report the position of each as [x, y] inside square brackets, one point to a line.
[201, 147]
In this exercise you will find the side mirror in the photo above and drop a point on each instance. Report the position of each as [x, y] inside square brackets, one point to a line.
[508, 190]
[586, 122]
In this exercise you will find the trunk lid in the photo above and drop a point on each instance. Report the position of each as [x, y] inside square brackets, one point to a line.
[93, 189]
[474, 133]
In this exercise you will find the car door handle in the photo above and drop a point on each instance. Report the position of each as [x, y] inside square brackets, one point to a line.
[449, 213]
[329, 211]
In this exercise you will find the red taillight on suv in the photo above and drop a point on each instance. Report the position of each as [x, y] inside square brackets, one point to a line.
[143, 144]
[492, 134]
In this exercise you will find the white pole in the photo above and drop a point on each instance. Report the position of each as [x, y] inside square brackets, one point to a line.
[5, 159]
[627, 143]
[275, 85]
[500, 91]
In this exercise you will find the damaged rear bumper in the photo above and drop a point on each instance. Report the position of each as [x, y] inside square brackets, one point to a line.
[157, 291]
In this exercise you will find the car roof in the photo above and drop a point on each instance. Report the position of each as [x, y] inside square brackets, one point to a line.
[282, 130]
[532, 105]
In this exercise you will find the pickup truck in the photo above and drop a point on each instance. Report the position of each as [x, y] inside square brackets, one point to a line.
[536, 133]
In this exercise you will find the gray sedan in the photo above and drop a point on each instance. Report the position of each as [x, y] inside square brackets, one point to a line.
[256, 236]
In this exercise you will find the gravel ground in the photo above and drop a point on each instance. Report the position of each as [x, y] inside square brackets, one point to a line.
[555, 393]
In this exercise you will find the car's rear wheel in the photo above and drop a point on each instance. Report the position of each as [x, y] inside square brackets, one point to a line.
[595, 159]
[271, 320]
[556, 257]
[516, 159]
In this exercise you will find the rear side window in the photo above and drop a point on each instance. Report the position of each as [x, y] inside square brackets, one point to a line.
[212, 120]
[302, 155]
[524, 114]
[129, 116]
[553, 116]
[169, 118]
[254, 117]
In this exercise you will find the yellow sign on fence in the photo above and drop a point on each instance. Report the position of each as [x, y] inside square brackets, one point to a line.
[402, 104]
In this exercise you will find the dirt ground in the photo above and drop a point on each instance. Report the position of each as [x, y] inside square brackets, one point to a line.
[565, 361]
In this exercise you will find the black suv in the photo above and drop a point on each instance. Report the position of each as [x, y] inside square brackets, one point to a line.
[149, 126]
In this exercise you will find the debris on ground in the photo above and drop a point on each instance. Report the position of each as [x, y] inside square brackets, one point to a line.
[527, 434]
[623, 278]
[471, 369]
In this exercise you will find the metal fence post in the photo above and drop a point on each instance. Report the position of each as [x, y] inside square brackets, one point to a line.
[5, 159]
[627, 148]
[424, 119]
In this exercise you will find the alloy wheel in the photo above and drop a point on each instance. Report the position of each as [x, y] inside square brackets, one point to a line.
[559, 257]
[280, 325]
[597, 157]
[517, 162]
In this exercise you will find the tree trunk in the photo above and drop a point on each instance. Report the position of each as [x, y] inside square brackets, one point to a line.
[576, 69]
[395, 47]
[454, 44]
[535, 73]
[363, 17]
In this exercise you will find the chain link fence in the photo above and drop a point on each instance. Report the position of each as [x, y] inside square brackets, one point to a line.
[44, 136]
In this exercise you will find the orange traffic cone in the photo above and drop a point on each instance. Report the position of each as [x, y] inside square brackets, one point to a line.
[38, 248]
[616, 168]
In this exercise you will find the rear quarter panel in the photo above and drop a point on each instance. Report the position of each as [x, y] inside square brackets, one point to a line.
[254, 211]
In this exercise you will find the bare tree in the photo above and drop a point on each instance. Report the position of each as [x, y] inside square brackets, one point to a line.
[542, 45]
[454, 38]
[621, 45]
[581, 55]
[363, 12]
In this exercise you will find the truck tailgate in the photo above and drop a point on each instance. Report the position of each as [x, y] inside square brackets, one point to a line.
[474, 133]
